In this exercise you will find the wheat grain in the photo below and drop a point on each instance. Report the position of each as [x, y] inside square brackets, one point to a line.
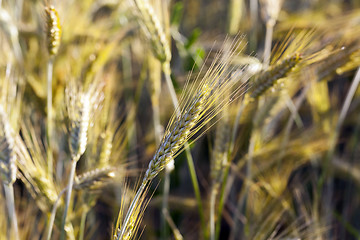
[80, 108]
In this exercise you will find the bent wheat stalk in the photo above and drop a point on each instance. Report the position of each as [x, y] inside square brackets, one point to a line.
[198, 106]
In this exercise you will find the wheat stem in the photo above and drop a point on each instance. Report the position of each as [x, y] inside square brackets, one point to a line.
[165, 203]
[53, 214]
[254, 24]
[82, 225]
[213, 196]
[176, 232]
[49, 115]
[268, 40]
[10, 202]
[68, 197]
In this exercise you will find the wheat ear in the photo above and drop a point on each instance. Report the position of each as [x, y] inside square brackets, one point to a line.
[154, 30]
[268, 78]
[53, 30]
[197, 108]
[80, 108]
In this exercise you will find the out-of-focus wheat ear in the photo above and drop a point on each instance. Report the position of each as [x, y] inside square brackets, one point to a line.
[7, 154]
[268, 78]
[80, 108]
[106, 149]
[79, 128]
[53, 30]
[154, 30]
[94, 179]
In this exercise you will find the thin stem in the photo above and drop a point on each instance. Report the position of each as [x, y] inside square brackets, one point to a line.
[10, 202]
[268, 39]
[19, 7]
[165, 202]
[49, 115]
[254, 20]
[82, 225]
[325, 177]
[214, 193]
[223, 197]
[189, 158]
[176, 232]
[235, 15]
[68, 197]
[53, 214]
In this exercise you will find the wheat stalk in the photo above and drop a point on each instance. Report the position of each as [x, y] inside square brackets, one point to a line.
[53, 38]
[198, 107]
[80, 106]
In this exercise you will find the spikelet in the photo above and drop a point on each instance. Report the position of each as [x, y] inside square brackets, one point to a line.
[154, 30]
[268, 78]
[93, 179]
[53, 30]
[7, 155]
[199, 107]
[80, 108]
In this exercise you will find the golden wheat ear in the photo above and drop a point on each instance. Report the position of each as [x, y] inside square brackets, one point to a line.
[81, 106]
[153, 30]
[52, 30]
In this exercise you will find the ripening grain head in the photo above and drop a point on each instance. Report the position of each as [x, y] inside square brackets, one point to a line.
[200, 105]
[80, 109]
[53, 30]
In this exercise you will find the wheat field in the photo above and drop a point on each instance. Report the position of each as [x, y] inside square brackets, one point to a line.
[159, 119]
